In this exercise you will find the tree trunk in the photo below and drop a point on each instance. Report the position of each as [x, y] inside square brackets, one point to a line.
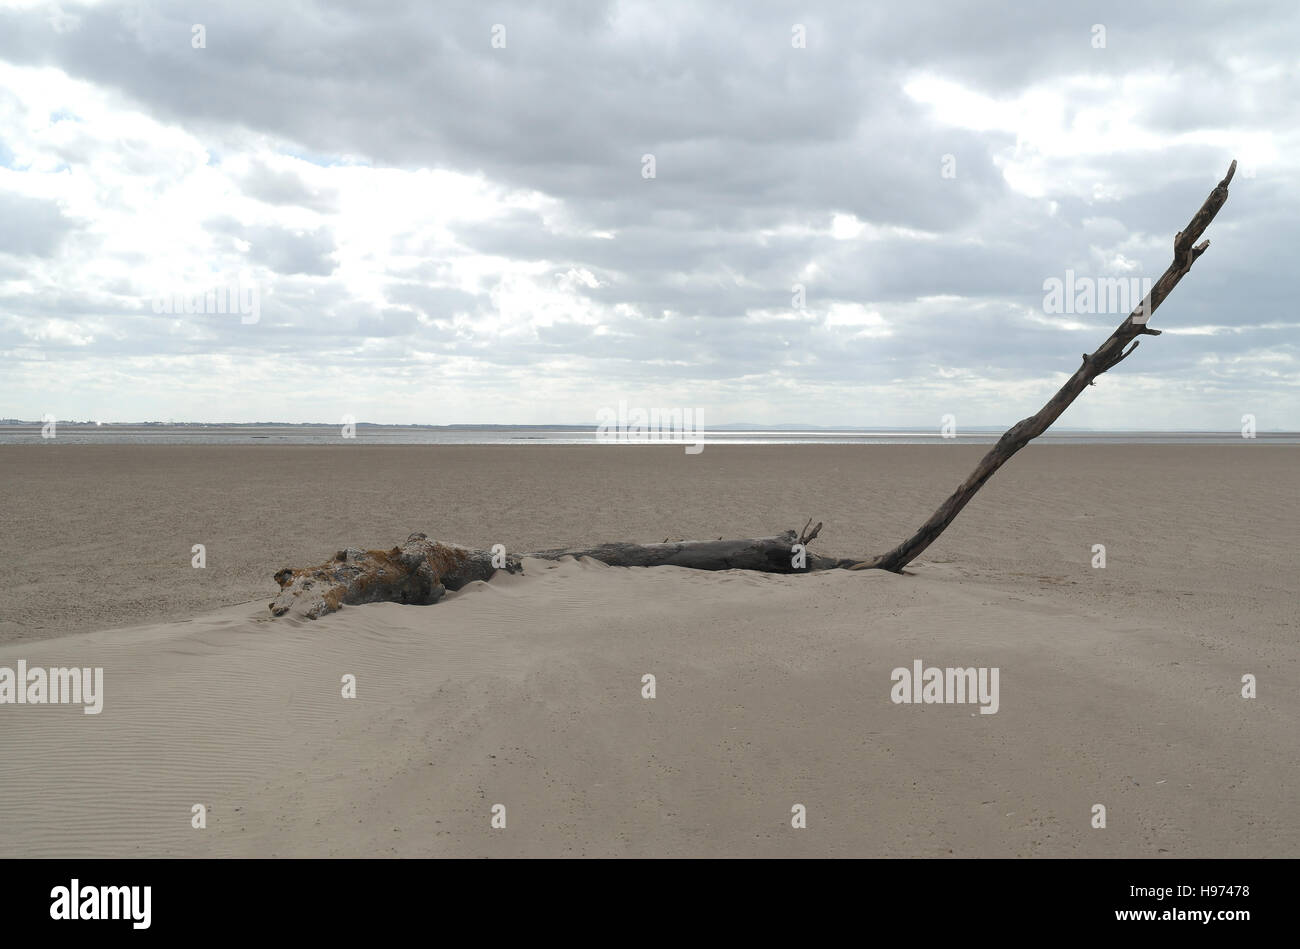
[421, 571]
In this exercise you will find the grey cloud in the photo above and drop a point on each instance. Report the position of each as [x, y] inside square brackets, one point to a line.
[436, 303]
[291, 252]
[31, 226]
[284, 188]
[280, 249]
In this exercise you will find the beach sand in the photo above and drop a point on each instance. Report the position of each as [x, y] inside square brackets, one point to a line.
[1118, 686]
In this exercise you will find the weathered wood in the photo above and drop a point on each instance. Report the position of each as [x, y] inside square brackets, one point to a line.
[421, 570]
[1107, 356]
[764, 554]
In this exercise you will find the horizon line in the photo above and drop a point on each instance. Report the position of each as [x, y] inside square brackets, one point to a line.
[742, 427]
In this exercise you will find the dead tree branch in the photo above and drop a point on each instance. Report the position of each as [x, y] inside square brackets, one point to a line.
[1110, 354]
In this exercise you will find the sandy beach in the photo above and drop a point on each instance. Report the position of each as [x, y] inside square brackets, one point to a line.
[1119, 686]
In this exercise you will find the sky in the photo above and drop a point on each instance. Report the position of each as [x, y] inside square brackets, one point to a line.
[779, 213]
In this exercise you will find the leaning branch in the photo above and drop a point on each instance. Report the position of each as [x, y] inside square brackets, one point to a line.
[1110, 354]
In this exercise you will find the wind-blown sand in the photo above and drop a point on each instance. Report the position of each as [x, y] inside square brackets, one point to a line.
[1118, 686]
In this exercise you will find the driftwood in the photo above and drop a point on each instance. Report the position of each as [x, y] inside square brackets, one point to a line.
[776, 554]
[421, 571]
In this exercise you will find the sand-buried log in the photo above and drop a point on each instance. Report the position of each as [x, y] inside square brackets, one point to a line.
[421, 570]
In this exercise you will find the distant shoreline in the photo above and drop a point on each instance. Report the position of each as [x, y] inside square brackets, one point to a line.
[268, 433]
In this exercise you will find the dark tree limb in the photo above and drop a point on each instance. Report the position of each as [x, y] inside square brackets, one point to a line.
[1110, 354]
[421, 571]
[764, 554]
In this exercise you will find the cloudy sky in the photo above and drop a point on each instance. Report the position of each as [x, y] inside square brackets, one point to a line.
[447, 213]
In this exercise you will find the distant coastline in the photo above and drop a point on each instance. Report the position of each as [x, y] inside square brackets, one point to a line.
[20, 432]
